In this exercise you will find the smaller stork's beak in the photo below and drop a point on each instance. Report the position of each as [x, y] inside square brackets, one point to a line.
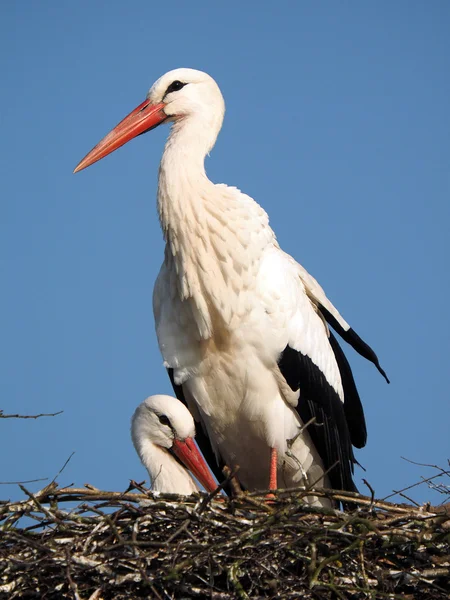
[190, 456]
[143, 118]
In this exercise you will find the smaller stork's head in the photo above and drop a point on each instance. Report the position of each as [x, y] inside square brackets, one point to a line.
[181, 95]
[162, 420]
[165, 422]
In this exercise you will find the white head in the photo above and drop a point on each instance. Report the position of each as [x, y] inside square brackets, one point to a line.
[189, 98]
[163, 430]
[190, 94]
[162, 419]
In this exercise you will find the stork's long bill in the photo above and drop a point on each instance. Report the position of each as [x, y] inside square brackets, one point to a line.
[189, 455]
[143, 118]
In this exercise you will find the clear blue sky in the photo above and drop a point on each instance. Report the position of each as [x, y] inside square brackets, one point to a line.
[337, 123]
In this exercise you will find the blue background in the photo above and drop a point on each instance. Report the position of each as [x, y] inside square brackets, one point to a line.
[337, 123]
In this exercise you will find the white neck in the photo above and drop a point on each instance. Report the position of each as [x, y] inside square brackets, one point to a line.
[182, 177]
[214, 234]
[166, 474]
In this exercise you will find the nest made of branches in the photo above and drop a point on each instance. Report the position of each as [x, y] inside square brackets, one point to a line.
[90, 544]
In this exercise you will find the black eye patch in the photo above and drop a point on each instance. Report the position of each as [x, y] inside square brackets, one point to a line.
[175, 86]
[164, 419]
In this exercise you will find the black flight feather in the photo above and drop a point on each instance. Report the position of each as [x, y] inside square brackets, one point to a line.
[330, 432]
[353, 409]
[352, 338]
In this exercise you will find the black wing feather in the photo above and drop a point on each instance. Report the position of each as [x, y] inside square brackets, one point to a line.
[352, 338]
[353, 409]
[330, 432]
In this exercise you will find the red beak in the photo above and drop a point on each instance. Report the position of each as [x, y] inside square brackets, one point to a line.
[143, 118]
[190, 456]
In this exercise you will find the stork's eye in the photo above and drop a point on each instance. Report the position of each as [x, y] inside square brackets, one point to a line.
[164, 419]
[175, 86]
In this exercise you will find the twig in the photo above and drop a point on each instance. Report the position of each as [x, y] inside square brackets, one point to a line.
[234, 481]
[22, 482]
[424, 480]
[234, 580]
[372, 491]
[72, 584]
[39, 505]
[409, 499]
[214, 493]
[437, 467]
[3, 416]
[301, 429]
[62, 468]
[410, 487]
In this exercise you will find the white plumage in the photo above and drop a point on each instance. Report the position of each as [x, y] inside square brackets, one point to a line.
[242, 326]
[161, 429]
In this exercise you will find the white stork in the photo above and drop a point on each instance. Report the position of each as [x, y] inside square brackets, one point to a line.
[242, 327]
[163, 431]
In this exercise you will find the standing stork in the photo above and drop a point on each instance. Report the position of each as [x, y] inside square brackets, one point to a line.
[163, 431]
[242, 327]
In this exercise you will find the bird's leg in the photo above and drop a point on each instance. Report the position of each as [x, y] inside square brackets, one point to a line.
[273, 469]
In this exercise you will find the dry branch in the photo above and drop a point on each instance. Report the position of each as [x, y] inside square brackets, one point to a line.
[3, 416]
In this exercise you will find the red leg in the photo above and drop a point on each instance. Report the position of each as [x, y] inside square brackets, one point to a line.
[273, 469]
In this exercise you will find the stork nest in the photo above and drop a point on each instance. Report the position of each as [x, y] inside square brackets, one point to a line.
[90, 544]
